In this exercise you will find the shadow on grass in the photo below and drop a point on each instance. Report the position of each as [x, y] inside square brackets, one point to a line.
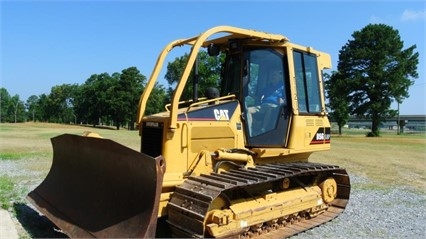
[36, 225]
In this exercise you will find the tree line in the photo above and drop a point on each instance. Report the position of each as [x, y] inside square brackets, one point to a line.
[373, 71]
[101, 99]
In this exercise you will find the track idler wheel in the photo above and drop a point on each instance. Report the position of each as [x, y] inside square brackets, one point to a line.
[329, 190]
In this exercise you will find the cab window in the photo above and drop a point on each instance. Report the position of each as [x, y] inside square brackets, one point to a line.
[307, 82]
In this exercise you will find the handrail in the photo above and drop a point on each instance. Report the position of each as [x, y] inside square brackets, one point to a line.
[181, 102]
[209, 101]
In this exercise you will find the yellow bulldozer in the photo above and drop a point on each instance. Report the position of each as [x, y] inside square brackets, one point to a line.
[233, 163]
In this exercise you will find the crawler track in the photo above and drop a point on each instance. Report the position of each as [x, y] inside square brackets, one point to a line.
[190, 203]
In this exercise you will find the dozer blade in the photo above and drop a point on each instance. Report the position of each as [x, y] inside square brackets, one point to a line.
[99, 188]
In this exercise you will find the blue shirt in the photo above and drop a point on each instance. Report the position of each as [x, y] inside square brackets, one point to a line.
[273, 96]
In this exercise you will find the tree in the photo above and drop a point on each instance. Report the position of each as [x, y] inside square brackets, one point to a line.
[126, 94]
[92, 102]
[377, 71]
[32, 108]
[61, 103]
[16, 110]
[336, 91]
[157, 100]
[208, 73]
[43, 104]
[11, 108]
[4, 104]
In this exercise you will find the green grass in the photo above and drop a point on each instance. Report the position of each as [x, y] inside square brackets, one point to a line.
[387, 161]
[28, 146]
[35, 137]
[7, 192]
[21, 155]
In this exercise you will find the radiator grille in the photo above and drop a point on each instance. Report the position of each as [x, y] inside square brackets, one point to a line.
[319, 122]
[310, 122]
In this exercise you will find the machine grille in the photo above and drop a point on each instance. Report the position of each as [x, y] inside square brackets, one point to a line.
[152, 139]
[310, 122]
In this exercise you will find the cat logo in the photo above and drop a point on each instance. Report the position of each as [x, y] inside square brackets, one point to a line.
[221, 114]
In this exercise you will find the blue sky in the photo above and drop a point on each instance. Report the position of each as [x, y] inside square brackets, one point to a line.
[48, 43]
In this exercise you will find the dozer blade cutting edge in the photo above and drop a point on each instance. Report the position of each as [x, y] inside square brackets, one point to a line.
[99, 188]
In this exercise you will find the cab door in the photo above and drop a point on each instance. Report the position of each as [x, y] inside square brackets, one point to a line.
[265, 97]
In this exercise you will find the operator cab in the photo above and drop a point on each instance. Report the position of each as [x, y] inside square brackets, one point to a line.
[260, 78]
